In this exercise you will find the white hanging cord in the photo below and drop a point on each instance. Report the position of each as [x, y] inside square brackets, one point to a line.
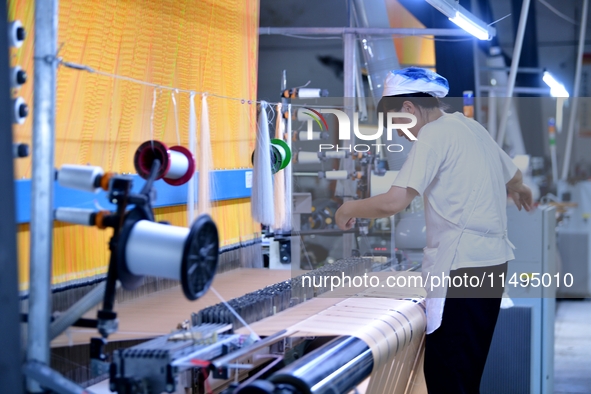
[279, 179]
[82, 67]
[288, 175]
[558, 13]
[154, 98]
[176, 117]
[205, 160]
[191, 189]
[262, 208]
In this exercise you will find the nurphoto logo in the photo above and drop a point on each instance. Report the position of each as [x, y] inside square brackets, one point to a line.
[393, 119]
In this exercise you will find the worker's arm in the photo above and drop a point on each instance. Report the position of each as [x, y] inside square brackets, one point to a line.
[381, 206]
[519, 192]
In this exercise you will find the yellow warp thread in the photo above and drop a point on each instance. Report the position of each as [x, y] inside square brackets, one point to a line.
[207, 46]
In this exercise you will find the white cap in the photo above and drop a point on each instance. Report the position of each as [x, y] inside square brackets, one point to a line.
[415, 80]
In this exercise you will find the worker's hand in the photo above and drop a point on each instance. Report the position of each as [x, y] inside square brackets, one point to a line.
[343, 218]
[522, 197]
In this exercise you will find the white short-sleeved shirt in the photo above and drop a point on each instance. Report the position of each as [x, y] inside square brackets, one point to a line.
[444, 165]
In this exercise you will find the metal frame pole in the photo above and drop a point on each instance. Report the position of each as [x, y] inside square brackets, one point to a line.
[574, 105]
[371, 31]
[513, 72]
[516, 89]
[10, 340]
[477, 91]
[492, 114]
[46, 22]
[76, 311]
[350, 61]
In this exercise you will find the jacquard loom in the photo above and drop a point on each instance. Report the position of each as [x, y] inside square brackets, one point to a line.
[313, 340]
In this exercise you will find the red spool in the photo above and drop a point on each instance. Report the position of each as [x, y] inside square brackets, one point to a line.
[149, 151]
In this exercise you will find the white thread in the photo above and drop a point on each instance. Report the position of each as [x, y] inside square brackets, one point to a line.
[287, 172]
[176, 118]
[262, 208]
[191, 189]
[205, 160]
[244, 323]
[279, 179]
[152, 118]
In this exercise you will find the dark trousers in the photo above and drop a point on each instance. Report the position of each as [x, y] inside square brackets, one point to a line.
[455, 354]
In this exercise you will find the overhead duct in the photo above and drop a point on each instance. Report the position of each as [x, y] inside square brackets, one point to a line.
[379, 55]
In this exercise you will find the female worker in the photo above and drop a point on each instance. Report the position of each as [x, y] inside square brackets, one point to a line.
[463, 177]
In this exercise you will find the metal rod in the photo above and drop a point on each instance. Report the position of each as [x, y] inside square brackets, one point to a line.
[45, 64]
[348, 187]
[476, 64]
[361, 103]
[574, 105]
[10, 338]
[513, 72]
[477, 92]
[520, 89]
[492, 114]
[371, 31]
[51, 379]
[77, 310]
[520, 70]
[182, 362]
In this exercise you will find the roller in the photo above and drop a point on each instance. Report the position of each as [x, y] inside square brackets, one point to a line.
[338, 175]
[86, 178]
[334, 175]
[178, 164]
[316, 135]
[337, 367]
[84, 217]
[334, 154]
[304, 157]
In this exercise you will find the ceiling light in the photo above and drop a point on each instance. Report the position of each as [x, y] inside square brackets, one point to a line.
[556, 88]
[470, 26]
[464, 19]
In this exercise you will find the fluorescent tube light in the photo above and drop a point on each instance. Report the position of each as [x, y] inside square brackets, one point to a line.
[556, 88]
[464, 19]
[470, 26]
